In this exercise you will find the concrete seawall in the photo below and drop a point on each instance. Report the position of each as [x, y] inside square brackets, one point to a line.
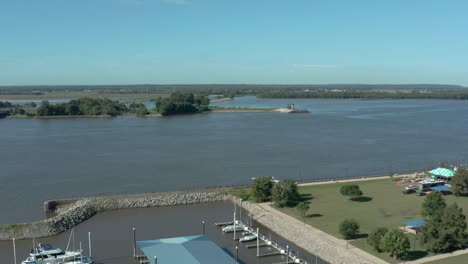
[73, 212]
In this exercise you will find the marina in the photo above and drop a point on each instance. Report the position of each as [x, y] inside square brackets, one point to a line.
[112, 242]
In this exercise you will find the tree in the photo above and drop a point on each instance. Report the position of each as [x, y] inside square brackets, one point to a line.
[460, 182]
[351, 190]
[447, 233]
[349, 228]
[303, 207]
[285, 193]
[43, 110]
[433, 206]
[396, 243]
[375, 238]
[261, 189]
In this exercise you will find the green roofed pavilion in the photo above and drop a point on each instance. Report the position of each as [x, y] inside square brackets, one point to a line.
[442, 172]
[186, 250]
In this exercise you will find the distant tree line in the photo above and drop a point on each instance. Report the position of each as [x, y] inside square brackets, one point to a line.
[91, 107]
[228, 90]
[459, 94]
[5, 104]
[182, 103]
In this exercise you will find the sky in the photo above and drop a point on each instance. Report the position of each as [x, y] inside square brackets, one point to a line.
[74, 42]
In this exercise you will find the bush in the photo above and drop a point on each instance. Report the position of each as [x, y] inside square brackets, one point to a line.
[349, 228]
[375, 237]
[351, 190]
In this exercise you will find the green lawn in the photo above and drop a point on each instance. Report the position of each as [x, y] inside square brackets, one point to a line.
[382, 204]
[462, 259]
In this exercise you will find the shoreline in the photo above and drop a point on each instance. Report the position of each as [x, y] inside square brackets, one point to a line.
[73, 211]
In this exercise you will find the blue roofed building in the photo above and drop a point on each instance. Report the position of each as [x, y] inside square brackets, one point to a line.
[188, 250]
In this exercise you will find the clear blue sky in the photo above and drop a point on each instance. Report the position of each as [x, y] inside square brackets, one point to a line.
[233, 41]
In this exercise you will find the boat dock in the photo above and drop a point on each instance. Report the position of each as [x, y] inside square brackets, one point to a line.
[263, 241]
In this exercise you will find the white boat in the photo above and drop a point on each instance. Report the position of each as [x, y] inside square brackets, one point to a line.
[47, 254]
[66, 258]
[248, 238]
[230, 228]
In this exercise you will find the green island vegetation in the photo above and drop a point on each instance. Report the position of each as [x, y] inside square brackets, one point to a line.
[373, 214]
[182, 103]
[175, 103]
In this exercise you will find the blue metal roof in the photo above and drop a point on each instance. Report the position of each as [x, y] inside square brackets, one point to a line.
[415, 223]
[443, 188]
[187, 250]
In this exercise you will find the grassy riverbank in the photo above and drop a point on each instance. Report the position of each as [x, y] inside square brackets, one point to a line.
[383, 205]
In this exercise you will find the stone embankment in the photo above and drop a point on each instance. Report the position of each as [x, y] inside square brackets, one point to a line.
[83, 209]
[314, 241]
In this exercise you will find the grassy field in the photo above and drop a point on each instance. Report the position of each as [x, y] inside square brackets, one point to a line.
[383, 204]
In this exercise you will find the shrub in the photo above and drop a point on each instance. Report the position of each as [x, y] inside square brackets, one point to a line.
[351, 190]
[349, 228]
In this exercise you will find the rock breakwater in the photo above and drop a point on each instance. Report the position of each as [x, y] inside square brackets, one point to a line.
[83, 209]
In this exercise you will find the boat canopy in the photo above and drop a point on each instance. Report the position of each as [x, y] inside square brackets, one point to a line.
[187, 250]
[415, 223]
[443, 188]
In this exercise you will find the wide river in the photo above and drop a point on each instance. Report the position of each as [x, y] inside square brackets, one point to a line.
[59, 158]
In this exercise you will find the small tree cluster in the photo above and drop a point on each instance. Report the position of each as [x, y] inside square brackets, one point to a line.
[375, 238]
[351, 190]
[285, 193]
[349, 228]
[261, 189]
[445, 229]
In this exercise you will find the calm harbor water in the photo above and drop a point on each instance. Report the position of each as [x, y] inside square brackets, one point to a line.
[60, 158]
[112, 234]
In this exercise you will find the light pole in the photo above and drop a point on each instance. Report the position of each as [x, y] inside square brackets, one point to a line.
[134, 242]
[287, 254]
[240, 212]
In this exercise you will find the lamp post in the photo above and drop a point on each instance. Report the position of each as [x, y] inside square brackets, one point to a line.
[134, 242]
[240, 212]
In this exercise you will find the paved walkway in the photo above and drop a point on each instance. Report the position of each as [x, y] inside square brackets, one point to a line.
[440, 256]
[327, 247]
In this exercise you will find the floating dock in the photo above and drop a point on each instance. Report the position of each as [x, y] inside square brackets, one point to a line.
[263, 241]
